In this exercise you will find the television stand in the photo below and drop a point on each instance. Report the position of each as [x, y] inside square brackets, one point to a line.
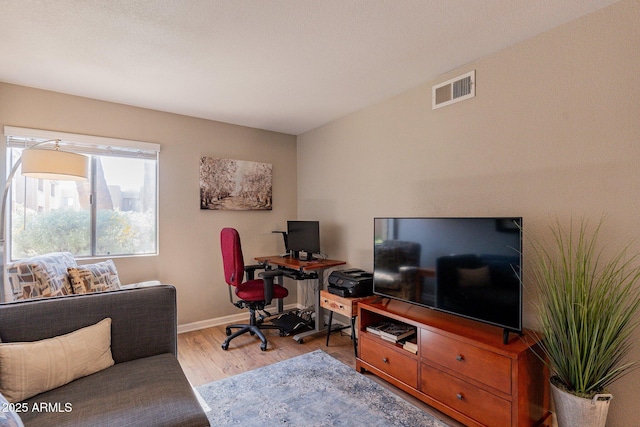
[379, 299]
[505, 335]
[461, 367]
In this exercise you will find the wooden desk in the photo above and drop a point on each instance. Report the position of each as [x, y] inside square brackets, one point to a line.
[295, 264]
[305, 270]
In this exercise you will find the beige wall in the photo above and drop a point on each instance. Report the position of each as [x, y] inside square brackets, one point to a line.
[189, 245]
[554, 130]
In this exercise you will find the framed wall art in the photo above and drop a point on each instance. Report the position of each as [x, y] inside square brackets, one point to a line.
[236, 185]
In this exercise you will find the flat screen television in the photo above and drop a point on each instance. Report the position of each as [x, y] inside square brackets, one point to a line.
[303, 236]
[468, 267]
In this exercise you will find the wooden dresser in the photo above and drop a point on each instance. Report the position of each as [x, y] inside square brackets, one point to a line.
[462, 368]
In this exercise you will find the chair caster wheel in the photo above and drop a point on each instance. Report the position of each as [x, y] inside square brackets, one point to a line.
[300, 341]
[263, 347]
[227, 331]
[282, 334]
[225, 346]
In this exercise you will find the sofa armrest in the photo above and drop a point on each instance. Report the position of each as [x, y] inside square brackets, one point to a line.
[144, 320]
[144, 284]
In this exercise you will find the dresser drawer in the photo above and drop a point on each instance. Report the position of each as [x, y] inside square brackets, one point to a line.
[481, 365]
[472, 401]
[389, 360]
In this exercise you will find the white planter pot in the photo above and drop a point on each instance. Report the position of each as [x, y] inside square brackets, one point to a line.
[574, 411]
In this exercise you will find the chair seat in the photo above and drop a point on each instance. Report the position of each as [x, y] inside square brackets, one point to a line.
[253, 290]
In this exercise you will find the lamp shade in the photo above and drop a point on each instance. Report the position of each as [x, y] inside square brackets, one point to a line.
[54, 164]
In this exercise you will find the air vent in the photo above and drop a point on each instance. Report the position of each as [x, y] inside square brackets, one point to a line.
[454, 90]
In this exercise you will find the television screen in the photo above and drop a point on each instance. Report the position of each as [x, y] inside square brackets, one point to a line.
[464, 266]
[303, 236]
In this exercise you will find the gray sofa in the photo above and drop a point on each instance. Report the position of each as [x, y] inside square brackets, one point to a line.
[145, 387]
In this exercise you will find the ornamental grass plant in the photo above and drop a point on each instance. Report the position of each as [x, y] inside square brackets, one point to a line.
[587, 305]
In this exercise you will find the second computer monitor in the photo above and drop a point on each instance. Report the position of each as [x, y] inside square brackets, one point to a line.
[303, 236]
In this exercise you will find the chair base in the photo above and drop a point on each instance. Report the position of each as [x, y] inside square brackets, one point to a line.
[254, 328]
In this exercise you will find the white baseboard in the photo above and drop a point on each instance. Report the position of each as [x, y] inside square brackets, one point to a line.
[233, 318]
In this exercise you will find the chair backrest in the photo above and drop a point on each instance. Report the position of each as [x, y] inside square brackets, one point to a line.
[232, 256]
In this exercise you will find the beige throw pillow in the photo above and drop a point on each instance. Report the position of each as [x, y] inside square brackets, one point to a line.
[30, 368]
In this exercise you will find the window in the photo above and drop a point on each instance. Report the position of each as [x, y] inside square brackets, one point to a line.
[113, 213]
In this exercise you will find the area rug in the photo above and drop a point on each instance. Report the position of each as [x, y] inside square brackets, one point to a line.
[309, 390]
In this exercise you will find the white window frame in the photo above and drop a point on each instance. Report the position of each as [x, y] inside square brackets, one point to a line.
[17, 137]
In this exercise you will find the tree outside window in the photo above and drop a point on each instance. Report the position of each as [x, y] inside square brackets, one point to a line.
[114, 213]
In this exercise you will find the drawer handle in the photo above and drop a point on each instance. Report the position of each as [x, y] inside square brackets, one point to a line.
[460, 358]
[459, 396]
[385, 360]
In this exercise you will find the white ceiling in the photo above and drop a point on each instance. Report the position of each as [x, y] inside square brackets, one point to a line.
[282, 65]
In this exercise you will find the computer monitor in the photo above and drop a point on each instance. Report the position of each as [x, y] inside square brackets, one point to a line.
[303, 236]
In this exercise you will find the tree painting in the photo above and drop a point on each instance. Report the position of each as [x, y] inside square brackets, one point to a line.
[235, 185]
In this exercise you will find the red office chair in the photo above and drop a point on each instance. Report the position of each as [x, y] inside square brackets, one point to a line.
[254, 294]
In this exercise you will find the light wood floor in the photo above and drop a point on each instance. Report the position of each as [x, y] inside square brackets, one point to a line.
[203, 360]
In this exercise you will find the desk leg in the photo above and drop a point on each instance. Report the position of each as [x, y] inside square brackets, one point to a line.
[319, 327]
[329, 327]
[353, 335]
[280, 301]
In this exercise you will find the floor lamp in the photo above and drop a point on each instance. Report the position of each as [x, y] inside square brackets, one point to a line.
[43, 164]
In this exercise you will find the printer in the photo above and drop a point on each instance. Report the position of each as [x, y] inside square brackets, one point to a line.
[350, 283]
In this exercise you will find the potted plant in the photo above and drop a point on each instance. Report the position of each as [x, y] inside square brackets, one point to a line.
[586, 306]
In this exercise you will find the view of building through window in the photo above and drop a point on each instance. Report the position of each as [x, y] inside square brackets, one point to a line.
[113, 213]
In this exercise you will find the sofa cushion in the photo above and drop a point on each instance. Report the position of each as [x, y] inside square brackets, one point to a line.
[98, 277]
[41, 276]
[151, 391]
[29, 368]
